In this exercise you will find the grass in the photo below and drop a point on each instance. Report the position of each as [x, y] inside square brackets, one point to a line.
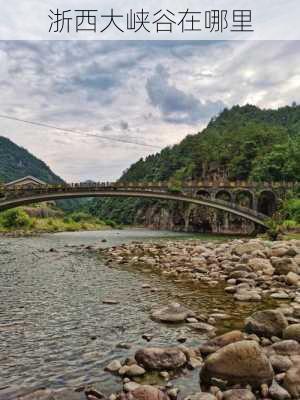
[50, 225]
[292, 235]
[16, 221]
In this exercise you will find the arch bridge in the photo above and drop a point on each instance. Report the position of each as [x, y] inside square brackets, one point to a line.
[254, 202]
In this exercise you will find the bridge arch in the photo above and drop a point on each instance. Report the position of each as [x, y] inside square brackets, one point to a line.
[244, 198]
[203, 193]
[71, 193]
[224, 195]
[267, 202]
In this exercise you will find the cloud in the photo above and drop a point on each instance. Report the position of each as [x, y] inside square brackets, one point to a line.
[107, 128]
[176, 105]
[147, 92]
[124, 125]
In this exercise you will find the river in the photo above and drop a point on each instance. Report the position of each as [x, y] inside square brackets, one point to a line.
[55, 330]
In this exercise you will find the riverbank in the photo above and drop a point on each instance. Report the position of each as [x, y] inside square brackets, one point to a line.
[52, 225]
[148, 316]
[249, 269]
[21, 222]
[260, 361]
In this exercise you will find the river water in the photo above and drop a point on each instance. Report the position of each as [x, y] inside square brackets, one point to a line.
[55, 330]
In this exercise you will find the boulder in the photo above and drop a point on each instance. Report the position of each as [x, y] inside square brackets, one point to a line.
[201, 396]
[132, 370]
[261, 264]
[292, 278]
[284, 265]
[113, 366]
[286, 348]
[160, 359]
[238, 363]
[174, 312]
[130, 386]
[59, 394]
[247, 295]
[291, 381]
[292, 332]
[238, 394]
[283, 251]
[147, 392]
[247, 248]
[280, 363]
[277, 392]
[280, 295]
[202, 327]
[216, 343]
[266, 323]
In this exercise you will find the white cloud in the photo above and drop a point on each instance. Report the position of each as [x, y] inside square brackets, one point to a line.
[116, 89]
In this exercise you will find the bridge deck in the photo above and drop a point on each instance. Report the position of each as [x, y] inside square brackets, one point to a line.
[20, 196]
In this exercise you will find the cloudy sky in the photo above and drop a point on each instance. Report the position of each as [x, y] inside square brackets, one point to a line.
[151, 93]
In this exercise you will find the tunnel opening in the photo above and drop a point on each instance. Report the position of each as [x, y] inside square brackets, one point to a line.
[244, 198]
[224, 195]
[267, 203]
[203, 193]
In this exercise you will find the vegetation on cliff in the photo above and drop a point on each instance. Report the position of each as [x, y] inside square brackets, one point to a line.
[16, 162]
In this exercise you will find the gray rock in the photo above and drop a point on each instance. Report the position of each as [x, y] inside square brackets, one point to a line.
[174, 312]
[284, 265]
[277, 392]
[286, 348]
[280, 296]
[292, 332]
[113, 366]
[280, 363]
[242, 362]
[247, 295]
[261, 264]
[156, 358]
[293, 279]
[147, 392]
[131, 386]
[132, 370]
[216, 343]
[238, 394]
[202, 327]
[291, 381]
[266, 323]
[247, 248]
[201, 396]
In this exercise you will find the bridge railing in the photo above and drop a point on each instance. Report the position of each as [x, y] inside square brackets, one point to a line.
[209, 184]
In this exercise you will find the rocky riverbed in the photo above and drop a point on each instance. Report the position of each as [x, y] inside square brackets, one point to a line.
[260, 361]
[246, 348]
[250, 270]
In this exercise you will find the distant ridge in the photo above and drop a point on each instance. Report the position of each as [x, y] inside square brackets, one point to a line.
[16, 162]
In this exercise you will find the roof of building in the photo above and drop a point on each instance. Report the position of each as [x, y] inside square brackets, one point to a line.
[29, 177]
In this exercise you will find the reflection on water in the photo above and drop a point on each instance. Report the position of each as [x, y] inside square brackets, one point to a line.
[55, 330]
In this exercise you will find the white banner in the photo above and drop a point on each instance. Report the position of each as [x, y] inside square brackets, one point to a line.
[150, 20]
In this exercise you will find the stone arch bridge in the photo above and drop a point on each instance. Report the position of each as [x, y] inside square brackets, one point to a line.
[254, 202]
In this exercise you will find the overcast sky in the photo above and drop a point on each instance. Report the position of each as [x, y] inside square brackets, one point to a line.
[147, 92]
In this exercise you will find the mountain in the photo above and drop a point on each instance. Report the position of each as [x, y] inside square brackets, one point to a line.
[16, 162]
[241, 143]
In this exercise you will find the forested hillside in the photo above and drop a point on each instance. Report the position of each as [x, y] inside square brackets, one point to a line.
[16, 162]
[239, 144]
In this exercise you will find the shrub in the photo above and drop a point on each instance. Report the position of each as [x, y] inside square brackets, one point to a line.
[289, 224]
[15, 218]
[80, 216]
[293, 209]
[110, 223]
